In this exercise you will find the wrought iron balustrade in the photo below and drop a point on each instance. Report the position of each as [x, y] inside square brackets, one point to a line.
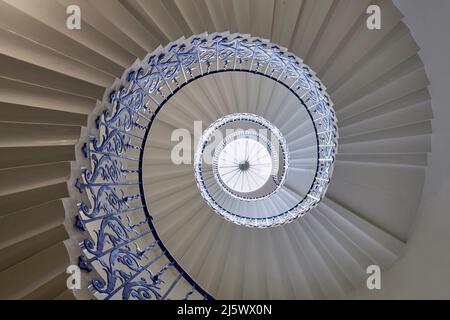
[123, 246]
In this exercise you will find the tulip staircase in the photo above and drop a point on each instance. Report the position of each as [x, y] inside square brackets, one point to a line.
[87, 122]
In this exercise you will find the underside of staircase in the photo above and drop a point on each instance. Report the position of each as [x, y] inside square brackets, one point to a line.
[53, 85]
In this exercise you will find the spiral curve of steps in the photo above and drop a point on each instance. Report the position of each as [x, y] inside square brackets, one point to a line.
[52, 81]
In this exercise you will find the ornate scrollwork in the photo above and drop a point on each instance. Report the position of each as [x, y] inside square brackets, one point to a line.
[141, 290]
[106, 168]
[106, 200]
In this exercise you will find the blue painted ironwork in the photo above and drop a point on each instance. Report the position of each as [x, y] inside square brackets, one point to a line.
[123, 249]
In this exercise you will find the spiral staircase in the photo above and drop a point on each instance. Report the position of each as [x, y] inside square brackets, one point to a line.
[59, 94]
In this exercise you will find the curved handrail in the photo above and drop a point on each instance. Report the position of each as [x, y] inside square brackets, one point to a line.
[124, 247]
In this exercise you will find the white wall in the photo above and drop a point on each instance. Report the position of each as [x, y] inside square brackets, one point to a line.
[424, 270]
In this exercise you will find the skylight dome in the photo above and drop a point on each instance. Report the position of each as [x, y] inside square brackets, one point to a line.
[244, 165]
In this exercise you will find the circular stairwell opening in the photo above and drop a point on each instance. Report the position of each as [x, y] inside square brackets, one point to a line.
[236, 95]
[249, 159]
[130, 157]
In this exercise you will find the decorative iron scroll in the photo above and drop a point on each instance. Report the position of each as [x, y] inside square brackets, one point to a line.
[123, 247]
